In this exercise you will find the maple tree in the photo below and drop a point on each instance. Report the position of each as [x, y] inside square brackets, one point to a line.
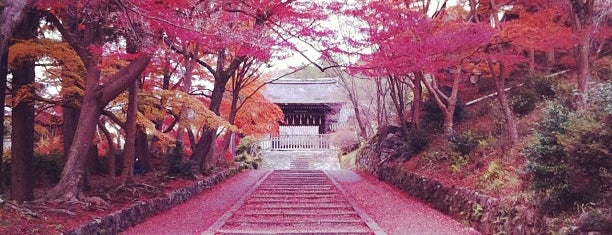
[411, 44]
[250, 29]
[245, 104]
[87, 40]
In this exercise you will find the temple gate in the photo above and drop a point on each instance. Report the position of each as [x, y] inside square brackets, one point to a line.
[311, 108]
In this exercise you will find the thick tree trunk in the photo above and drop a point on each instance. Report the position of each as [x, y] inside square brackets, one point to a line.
[11, 16]
[22, 137]
[70, 120]
[3, 75]
[72, 181]
[142, 150]
[129, 148]
[96, 97]
[202, 152]
[22, 132]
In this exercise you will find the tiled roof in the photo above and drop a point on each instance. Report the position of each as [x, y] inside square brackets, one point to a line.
[305, 91]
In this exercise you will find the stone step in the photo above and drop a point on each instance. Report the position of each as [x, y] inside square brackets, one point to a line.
[296, 196]
[297, 213]
[296, 193]
[297, 231]
[311, 222]
[297, 206]
[313, 211]
[296, 200]
[293, 229]
[273, 186]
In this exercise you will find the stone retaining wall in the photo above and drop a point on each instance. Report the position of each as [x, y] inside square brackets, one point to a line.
[484, 213]
[139, 211]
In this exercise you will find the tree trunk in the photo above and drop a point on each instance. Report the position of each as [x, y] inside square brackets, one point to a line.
[129, 148]
[111, 153]
[500, 78]
[142, 151]
[417, 91]
[71, 183]
[95, 98]
[203, 148]
[584, 73]
[10, 18]
[201, 153]
[397, 95]
[22, 137]
[349, 85]
[22, 132]
[581, 12]
[550, 58]
[236, 87]
[70, 120]
[446, 103]
[448, 120]
[3, 75]
[532, 62]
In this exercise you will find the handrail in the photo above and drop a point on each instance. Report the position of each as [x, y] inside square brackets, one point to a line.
[297, 142]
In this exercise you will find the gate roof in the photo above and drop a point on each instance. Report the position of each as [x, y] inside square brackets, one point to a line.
[305, 91]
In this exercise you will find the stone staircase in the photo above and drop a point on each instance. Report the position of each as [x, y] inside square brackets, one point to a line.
[296, 201]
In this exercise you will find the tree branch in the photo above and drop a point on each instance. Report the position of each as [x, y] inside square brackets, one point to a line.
[121, 80]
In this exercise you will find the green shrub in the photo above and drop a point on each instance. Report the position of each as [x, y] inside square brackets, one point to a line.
[523, 101]
[247, 154]
[542, 85]
[546, 161]
[463, 143]
[176, 165]
[49, 167]
[418, 140]
[588, 144]
[458, 162]
[496, 177]
[433, 118]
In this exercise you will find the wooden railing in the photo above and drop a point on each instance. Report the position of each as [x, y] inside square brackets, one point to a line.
[297, 142]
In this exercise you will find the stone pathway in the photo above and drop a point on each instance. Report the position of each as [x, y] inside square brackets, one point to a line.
[313, 160]
[296, 202]
[302, 193]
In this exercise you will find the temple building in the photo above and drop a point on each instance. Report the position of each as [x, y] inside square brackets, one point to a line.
[311, 106]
